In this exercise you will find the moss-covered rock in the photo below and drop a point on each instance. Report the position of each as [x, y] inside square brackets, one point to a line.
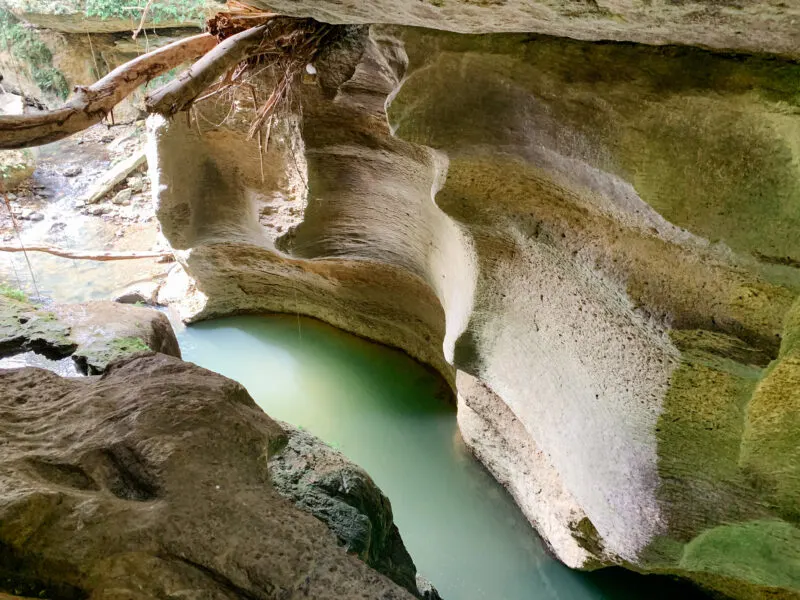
[16, 167]
[95, 334]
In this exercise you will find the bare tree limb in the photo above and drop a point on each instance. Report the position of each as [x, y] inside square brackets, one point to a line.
[96, 256]
[179, 93]
[91, 104]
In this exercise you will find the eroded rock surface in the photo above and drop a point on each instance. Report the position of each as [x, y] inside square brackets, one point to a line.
[561, 222]
[152, 481]
[751, 25]
[94, 334]
[321, 481]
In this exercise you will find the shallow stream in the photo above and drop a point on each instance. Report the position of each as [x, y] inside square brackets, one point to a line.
[391, 416]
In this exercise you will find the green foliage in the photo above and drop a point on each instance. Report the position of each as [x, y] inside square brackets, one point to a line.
[130, 344]
[160, 10]
[52, 80]
[12, 292]
[24, 44]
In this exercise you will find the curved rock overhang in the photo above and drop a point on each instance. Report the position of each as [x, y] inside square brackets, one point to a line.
[538, 218]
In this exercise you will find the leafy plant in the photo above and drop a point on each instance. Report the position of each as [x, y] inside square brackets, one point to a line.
[159, 11]
[24, 44]
[12, 292]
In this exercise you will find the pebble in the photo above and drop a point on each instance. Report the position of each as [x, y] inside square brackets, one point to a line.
[136, 183]
[72, 171]
[96, 211]
[123, 197]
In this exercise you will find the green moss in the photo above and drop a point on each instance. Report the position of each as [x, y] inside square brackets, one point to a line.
[130, 345]
[12, 292]
[771, 442]
[711, 141]
[24, 44]
[765, 553]
[699, 437]
[93, 358]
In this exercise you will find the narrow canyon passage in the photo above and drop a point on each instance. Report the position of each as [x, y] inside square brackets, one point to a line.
[395, 418]
[396, 299]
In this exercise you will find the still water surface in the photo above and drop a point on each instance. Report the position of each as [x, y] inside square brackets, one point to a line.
[388, 414]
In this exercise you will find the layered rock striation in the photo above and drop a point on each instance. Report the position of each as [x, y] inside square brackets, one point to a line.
[594, 243]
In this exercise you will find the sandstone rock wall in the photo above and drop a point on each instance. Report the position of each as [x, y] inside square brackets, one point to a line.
[563, 223]
[751, 25]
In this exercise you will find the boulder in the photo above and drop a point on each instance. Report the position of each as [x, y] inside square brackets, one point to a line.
[321, 481]
[151, 481]
[140, 293]
[94, 334]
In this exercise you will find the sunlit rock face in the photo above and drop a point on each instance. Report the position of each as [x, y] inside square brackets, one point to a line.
[600, 239]
[750, 25]
[342, 226]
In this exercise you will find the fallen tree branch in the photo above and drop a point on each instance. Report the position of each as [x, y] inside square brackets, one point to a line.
[96, 256]
[115, 176]
[178, 94]
[91, 104]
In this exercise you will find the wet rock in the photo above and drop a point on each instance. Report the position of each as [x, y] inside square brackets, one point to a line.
[108, 331]
[152, 479]
[94, 333]
[25, 327]
[72, 171]
[140, 293]
[426, 590]
[122, 197]
[34, 216]
[57, 227]
[320, 480]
